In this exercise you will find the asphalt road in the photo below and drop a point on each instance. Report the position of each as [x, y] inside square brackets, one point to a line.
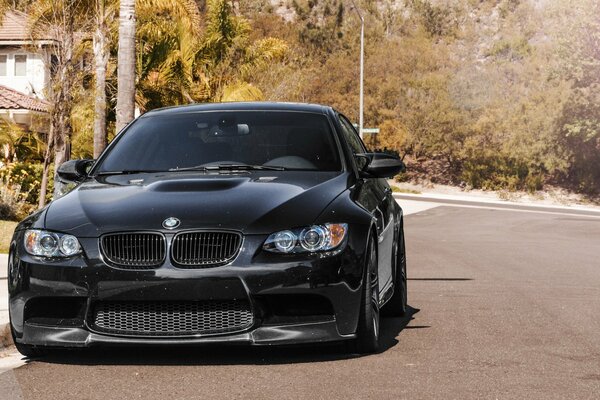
[504, 305]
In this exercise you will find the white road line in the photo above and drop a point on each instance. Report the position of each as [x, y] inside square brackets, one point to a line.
[415, 209]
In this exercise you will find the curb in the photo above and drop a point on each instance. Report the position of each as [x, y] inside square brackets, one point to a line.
[5, 336]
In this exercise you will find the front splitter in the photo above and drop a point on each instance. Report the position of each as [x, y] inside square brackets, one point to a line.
[317, 332]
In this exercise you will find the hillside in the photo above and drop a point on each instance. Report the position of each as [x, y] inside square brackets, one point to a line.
[497, 94]
[485, 94]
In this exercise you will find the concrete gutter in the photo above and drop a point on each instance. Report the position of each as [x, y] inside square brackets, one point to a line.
[5, 337]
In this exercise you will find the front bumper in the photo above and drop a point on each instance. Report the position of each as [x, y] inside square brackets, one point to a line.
[258, 277]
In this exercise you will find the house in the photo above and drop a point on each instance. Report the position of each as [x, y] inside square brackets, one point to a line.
[24, 72]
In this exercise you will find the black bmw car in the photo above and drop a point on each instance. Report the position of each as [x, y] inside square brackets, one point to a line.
[257, 223]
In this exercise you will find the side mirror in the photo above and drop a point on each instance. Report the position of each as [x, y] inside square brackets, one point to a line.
[74, 170]
[382, 165]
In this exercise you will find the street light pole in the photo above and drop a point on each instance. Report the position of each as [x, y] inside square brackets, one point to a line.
[362, 64]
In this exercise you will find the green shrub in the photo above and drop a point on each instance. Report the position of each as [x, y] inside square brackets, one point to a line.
[402, 177]
[12, 204]
[500, 173]
[22, 182]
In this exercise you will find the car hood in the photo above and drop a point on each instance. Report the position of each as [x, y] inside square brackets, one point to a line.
[253, 203]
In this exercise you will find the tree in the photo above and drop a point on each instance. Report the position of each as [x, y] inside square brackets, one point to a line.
[10, 137]
[59, 19]
[579, 125]
[4, 6]
[180, 64]
[228, 58]
[168, 35]
[103, 14]
[126, 64]
[17, 143]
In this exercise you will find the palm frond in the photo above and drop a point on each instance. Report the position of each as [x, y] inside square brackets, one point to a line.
[263, 52]
[186, 11]
[241, 91]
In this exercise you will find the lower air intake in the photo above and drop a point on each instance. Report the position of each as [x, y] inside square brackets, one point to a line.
[181, 318]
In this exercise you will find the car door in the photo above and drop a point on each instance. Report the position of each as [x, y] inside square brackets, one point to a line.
[375, 195]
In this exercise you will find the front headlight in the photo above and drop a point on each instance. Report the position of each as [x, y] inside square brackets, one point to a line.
[50, 244]
[310, 239]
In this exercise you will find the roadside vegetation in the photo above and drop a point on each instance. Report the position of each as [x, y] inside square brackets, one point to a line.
[490, 94]
[397, 189]
[6, 232]
[499, 95]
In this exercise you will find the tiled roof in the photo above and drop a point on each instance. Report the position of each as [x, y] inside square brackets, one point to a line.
[11, 99]
[15, 27]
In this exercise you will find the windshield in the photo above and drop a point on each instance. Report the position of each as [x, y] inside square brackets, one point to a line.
[290, 140]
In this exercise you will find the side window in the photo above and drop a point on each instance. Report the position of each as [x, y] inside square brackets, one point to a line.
[20, 65]
[3, 65]
[356, 145]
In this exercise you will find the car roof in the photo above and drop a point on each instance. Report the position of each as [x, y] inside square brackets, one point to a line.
[241, 106]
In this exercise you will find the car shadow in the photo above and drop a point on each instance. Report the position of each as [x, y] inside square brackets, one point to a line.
[226, 354]
[392, 327]
[441, 279]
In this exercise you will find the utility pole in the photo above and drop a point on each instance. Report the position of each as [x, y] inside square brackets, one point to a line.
[362, 65]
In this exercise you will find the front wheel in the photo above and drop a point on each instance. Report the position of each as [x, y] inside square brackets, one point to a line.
[367, 332]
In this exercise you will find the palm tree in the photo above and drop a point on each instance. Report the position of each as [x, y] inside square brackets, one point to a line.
[17, 143]
[126, 64]
[10, 136]
[4, 6]
[168, 36]
[103, 14]
[228, 57]
[178, 64]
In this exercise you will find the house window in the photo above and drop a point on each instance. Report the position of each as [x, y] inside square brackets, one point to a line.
[3, 61]
[20, 65]
[53, 65]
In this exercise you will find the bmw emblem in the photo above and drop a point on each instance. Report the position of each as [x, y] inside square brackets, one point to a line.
[171, 223]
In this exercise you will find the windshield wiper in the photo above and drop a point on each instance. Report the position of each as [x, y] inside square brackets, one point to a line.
[126, 172]
[231, 167]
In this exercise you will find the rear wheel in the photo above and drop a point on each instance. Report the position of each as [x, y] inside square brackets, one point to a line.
[397, 304]
[367, 332]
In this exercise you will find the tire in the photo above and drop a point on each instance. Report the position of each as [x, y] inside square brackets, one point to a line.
[367, 332]
[397, 304]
